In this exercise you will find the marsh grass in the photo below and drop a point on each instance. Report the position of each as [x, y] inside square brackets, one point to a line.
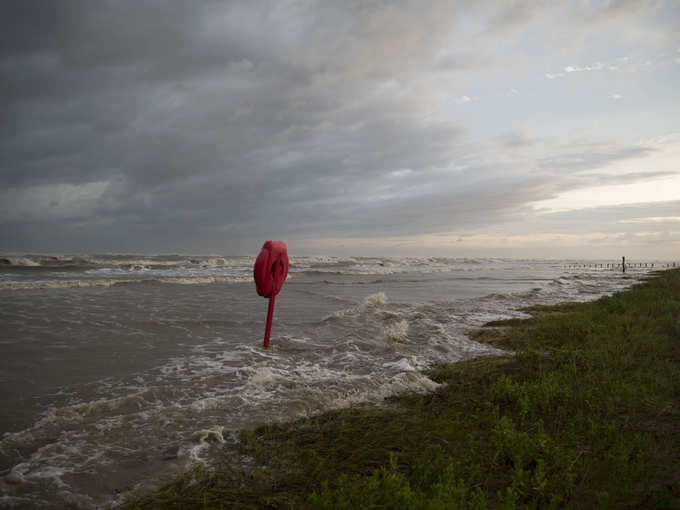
[585, 414]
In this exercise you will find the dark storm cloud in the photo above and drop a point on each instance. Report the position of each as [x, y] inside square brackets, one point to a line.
[205, 114]
[191, 125]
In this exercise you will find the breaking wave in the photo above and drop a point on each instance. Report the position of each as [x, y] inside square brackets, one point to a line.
[88, 261]
[68, 284]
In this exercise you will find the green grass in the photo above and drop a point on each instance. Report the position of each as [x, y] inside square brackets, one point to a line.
[585, 415]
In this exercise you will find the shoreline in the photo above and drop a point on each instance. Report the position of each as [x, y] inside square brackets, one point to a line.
[584, 413]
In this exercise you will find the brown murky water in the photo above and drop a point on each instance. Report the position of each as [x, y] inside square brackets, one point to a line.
[119, 371]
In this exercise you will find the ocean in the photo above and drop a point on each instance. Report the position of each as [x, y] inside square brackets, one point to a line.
[117, 372]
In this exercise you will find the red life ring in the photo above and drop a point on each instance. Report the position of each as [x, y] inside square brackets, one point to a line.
[271, 268]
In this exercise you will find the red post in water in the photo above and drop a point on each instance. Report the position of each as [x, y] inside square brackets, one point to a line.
[268, 328]
[270, 271]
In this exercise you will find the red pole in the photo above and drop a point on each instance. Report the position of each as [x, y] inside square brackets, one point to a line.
[270, 313]
[269, 272]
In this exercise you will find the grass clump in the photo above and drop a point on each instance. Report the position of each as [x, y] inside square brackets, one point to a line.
[585, 415]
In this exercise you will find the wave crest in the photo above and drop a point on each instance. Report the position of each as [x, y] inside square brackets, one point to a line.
[70, 284]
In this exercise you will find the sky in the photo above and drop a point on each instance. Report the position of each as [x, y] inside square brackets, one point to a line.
[540, 129]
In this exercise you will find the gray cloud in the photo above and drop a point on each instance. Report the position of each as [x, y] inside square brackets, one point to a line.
[579, 157]
[517, 139]
[200, 125]
[611, 218]
[463, 61]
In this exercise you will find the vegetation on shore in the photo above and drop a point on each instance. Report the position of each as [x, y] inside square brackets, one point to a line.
[586, 414]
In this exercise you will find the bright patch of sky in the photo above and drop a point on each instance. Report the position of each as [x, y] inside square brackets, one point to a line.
[656, 190]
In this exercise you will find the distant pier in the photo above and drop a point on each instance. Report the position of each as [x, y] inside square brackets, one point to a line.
[622, 265]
